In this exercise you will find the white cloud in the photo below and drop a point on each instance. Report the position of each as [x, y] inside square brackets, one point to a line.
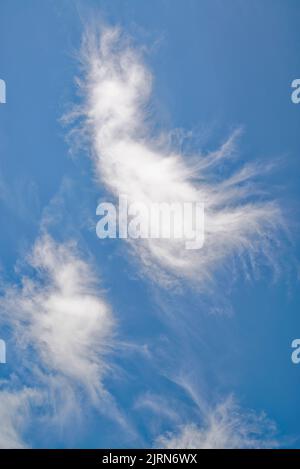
[59, 312]
[14, 409]
[226, 426]
[128, 160]
[63, 331]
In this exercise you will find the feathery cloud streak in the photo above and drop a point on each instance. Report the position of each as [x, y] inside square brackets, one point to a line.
[61, 314]
[63, 330]
[226, 426]
[14, 410]
[128, 160]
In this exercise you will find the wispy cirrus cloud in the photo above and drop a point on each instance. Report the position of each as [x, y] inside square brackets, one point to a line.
[63, 331]
[14, 411]
[60, 312]
[207, 417]
[226, 426]
[59, 316]
[128, 160]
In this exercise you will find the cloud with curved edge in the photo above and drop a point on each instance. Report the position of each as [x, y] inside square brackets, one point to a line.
[116, 89]
[226, 426]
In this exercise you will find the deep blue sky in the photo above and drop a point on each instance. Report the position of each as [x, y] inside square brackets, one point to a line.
[217, 66]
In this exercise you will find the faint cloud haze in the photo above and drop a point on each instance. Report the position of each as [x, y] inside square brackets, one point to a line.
[226, 426]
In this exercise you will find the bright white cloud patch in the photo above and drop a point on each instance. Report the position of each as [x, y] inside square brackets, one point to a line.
[225, 427]
[117, 87]
[60, 313]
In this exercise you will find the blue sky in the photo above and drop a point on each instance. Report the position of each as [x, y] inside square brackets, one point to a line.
[202, 359]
